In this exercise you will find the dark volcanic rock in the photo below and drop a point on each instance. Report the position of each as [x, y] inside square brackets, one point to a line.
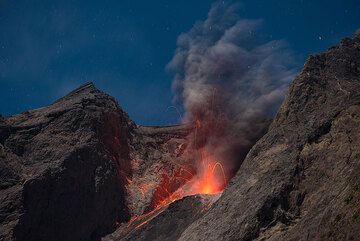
[61, 169]
[301, 180]
[168, 223]
[78, 168]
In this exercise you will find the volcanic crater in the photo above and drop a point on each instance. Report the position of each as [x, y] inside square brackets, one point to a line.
[81, 169]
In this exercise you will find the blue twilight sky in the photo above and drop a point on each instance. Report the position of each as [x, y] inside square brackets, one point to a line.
[47, 48]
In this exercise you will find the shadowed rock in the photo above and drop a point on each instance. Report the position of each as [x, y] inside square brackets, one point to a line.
[74, 170]
[168, 223]
[60, 169]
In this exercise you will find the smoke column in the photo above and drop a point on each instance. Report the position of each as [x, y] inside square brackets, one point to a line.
[230, 82]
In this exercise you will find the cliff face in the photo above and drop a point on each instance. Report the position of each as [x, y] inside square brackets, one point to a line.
[301, 180]
[78, 168]
[60, 169]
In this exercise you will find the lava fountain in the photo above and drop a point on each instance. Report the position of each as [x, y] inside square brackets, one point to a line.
[210, 179]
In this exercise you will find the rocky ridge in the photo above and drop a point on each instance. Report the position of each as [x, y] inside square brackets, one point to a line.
[72, 170]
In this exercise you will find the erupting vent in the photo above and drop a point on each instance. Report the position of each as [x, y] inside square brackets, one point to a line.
[203, 174]
[210, 179]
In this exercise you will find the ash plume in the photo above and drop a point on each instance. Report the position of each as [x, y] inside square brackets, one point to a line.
[230, 82]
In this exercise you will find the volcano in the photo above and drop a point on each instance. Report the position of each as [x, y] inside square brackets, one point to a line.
[81, 169]
[83, 160]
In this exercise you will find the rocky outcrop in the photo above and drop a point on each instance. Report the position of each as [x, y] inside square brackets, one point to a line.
[301, 180]
[77, 169]
[60, 169]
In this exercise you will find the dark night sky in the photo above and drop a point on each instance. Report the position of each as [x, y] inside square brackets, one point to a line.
[47, 48]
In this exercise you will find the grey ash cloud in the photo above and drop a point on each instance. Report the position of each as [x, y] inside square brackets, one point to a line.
[229, 79]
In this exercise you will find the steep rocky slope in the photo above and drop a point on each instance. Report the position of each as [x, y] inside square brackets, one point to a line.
[60, 169]
[76, 169]
[301, 180]
[166, 224]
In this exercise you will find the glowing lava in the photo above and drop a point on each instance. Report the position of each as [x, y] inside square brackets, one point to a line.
[209, 183]
[206, 175]
[210, 179]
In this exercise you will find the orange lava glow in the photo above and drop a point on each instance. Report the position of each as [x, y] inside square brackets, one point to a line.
[210, 179]
[206, 176]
